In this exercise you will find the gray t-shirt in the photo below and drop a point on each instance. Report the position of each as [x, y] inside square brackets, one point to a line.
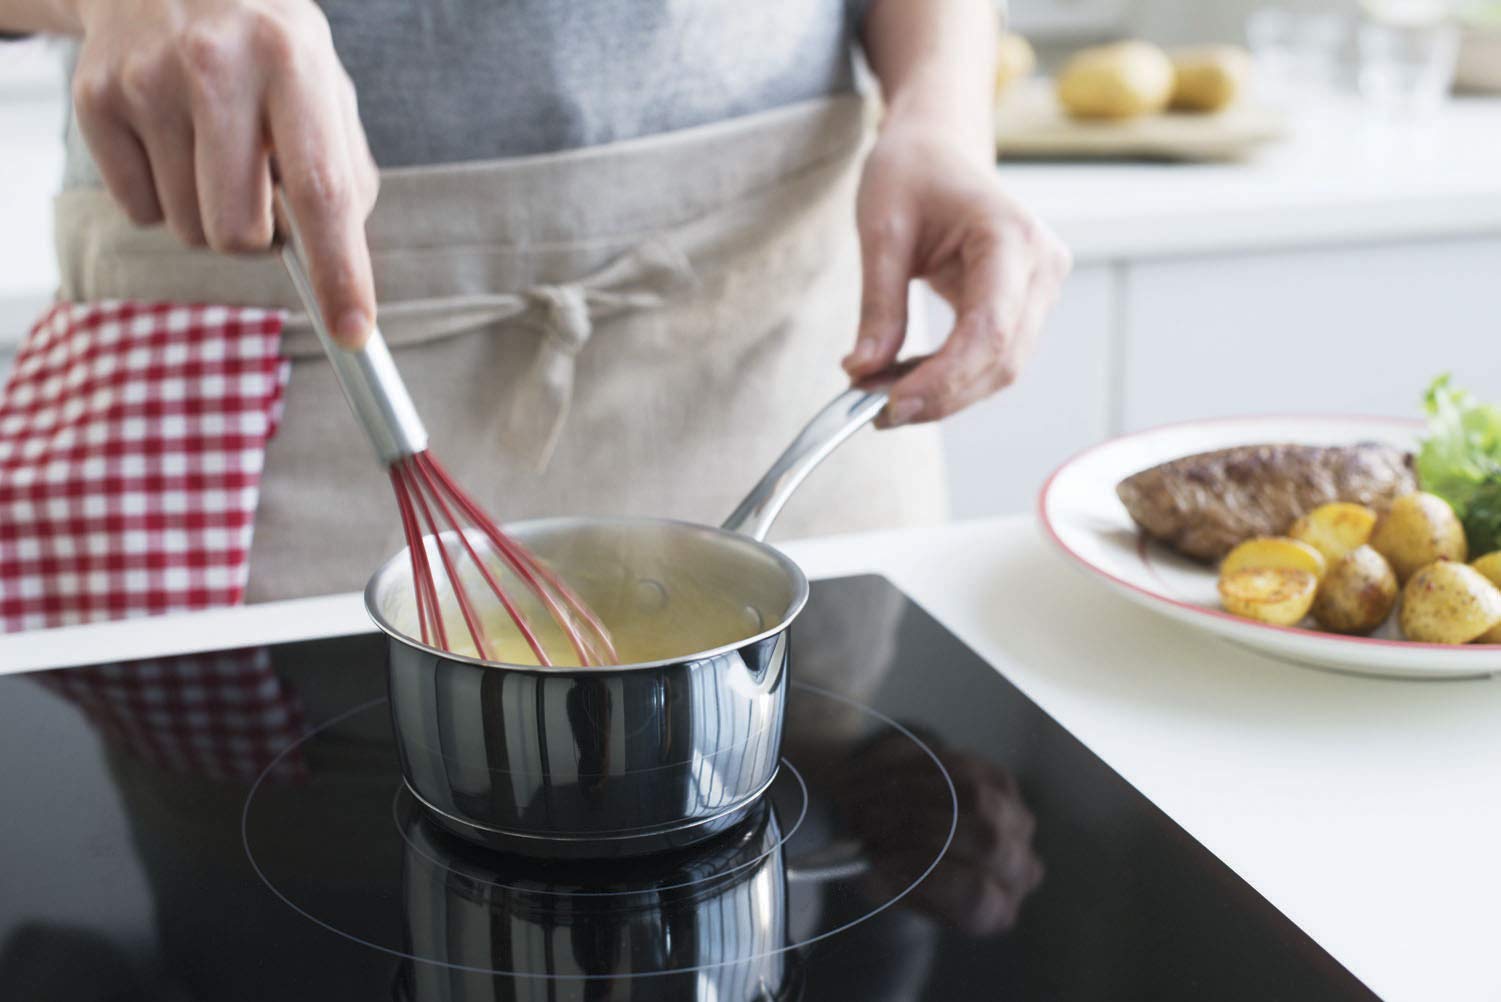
[443, 81]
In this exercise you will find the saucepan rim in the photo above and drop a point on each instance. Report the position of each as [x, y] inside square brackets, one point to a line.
[398, 563]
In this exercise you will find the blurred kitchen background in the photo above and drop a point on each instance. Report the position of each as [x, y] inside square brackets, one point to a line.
[1336, 267]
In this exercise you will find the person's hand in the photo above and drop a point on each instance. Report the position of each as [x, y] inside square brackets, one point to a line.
[183, 104]
[990, 867]
[929, 207]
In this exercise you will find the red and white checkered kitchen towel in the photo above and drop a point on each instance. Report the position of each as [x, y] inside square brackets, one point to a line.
[132, 439]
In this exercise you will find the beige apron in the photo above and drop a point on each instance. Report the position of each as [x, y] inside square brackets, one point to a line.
[633, 329]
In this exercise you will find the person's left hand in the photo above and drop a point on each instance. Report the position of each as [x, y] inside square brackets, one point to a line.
[930, 208]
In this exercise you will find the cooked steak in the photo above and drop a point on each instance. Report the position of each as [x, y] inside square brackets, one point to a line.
[1203, 505]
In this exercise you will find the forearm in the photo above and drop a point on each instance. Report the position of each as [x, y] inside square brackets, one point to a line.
[936, 63]
[52, 17]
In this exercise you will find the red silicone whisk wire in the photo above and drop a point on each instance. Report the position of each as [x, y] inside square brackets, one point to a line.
[517, 617]
[414, 545]
[527, 568]
[461, 594]
[429, 616]
[426, 498]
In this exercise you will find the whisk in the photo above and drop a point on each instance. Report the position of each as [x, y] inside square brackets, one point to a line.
[442, 523]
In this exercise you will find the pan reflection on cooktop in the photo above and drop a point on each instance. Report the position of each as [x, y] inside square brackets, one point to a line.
[718, 910]
[227, 825]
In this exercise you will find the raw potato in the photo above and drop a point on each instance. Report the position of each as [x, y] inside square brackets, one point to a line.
[1277, 595]
[1335, 529]
[1419, 529]
[1209, 78]
[1014, 60]
[1490, 566]
[1123, 80]
[1357, 594]
[1274, 551]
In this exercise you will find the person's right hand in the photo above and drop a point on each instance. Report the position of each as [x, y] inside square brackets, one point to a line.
[184, 102]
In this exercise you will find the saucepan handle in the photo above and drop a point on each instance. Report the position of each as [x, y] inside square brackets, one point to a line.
[830, 428]
[840, 860]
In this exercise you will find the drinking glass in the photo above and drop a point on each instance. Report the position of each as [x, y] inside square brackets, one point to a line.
[1300, 51]
[1407, 67]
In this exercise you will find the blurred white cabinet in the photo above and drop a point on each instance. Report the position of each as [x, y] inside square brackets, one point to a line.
[32, 111]
[1001, 450]
[1137, 343]
[1049, 19]
[1358, 330]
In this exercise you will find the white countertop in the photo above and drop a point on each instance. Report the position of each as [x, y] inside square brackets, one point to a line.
[1340, 178]
[1367, 811]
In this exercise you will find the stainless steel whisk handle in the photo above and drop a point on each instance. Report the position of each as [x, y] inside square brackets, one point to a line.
[368, 376]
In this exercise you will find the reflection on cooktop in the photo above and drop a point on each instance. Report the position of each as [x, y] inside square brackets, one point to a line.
[717, 910]
[230, 826]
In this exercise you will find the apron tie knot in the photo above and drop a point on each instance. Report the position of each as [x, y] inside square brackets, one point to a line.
[565, 315]
[640, 279]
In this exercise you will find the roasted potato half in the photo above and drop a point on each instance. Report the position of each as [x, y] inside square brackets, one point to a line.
[1418, 530]
[1490, 566]
[1274, 551]
[1335, 529]
[1357, 594]
[1449, 603]
[1277, 595]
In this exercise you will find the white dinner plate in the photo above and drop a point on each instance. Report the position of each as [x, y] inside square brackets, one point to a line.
[1081, 513]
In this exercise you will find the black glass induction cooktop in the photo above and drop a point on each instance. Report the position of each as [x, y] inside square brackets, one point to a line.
[232, 825]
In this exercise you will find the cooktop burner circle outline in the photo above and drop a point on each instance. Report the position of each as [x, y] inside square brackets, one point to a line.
[788, 947]
[802, 814]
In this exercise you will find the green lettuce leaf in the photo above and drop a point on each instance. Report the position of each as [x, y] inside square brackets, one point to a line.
[1460, 461]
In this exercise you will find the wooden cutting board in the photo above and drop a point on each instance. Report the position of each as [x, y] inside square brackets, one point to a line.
[1030, 125]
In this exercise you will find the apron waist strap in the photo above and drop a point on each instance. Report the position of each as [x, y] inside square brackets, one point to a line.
[641, 278]
[564, 313]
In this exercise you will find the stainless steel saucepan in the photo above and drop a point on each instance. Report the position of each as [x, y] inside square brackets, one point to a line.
[626, 759]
